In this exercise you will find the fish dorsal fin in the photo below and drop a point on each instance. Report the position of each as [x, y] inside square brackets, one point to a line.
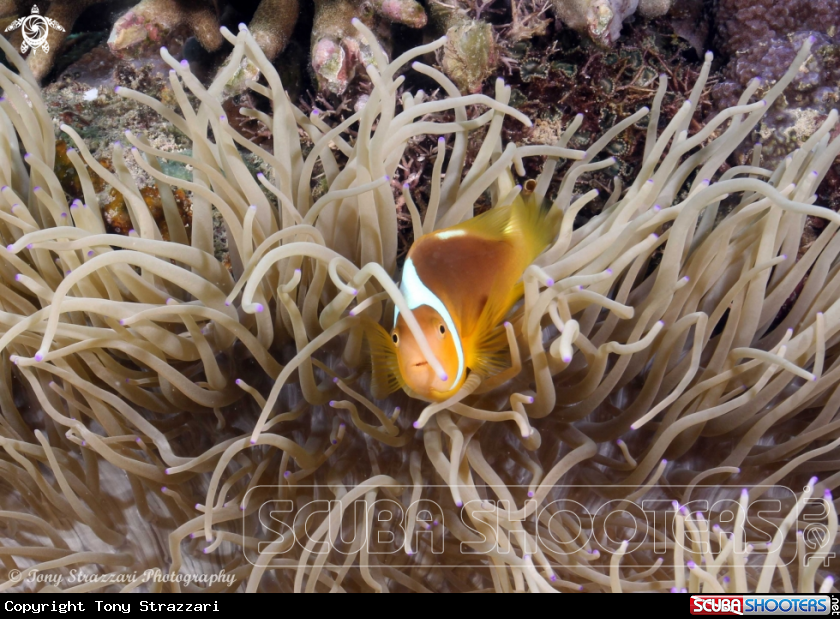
[523, 220]
[493, 224]
[386, 377]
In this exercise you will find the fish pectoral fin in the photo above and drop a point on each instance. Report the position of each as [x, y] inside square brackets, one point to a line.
[385, 368]
[488, 356]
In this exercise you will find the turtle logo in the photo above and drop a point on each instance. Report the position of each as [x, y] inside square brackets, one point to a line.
[35, 29]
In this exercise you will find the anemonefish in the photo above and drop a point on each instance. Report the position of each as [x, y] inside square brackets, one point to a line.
[460, 283]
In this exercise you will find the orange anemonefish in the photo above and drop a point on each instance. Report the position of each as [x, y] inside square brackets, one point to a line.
[460, 283]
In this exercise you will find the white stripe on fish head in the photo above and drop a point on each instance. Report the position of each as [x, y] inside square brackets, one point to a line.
[416, 293]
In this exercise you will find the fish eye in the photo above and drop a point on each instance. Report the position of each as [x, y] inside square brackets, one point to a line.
[395, 338]
[442, 329]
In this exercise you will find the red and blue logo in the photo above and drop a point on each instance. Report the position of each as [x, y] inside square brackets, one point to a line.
[760, 605]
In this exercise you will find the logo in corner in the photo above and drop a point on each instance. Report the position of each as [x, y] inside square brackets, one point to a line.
[35, 29]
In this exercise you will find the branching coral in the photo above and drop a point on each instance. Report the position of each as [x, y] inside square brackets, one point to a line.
[148, 23]
[273, 24]
[337, 53]
[152, 399]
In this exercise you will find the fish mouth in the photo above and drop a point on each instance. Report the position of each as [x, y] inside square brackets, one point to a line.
[417, 365]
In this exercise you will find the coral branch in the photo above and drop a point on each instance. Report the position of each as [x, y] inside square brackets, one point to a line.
[148, 23]
[273, 24]
[338, 51]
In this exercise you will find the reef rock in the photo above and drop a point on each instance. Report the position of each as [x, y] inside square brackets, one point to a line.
[471, 53]
[760, 39]
[602, 19]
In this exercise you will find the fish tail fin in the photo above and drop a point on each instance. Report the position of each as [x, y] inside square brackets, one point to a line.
[385, 368]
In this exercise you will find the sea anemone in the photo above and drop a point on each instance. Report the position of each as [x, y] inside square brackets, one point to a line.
[168, 424]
